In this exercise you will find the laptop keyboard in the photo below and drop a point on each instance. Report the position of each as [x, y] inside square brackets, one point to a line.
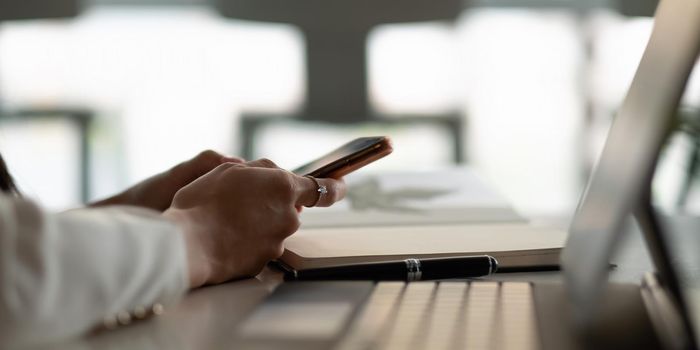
[445, 315]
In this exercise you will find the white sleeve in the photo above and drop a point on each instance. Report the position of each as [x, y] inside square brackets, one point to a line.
[63, 274]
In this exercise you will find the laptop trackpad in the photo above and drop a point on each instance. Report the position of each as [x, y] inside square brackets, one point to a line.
[305, 320]
[303, 315]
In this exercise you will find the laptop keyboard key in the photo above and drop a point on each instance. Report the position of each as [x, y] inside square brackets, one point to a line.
[480, 317]
[409, 321]
[373, 318]
[517, 317]
[445, 316]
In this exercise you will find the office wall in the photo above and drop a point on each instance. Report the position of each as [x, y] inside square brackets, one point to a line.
[537, 88]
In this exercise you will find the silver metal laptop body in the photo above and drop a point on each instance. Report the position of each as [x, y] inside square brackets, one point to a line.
[584, 312]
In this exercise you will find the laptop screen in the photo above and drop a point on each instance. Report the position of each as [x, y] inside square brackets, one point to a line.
[628, 159]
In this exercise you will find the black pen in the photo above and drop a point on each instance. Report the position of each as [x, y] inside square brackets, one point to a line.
[403, 270]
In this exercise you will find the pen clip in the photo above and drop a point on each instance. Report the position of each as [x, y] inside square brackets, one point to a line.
[413, 271]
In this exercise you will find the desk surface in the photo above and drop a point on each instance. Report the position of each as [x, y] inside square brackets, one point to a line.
[206, 318]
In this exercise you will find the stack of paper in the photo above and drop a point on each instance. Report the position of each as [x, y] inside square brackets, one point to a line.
[418, 198]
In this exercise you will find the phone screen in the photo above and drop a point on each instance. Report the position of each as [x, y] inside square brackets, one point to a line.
[354, 151]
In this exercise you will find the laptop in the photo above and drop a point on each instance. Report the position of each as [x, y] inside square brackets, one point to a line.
[582, 311]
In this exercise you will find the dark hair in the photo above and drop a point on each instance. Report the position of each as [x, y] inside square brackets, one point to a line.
[7, 185]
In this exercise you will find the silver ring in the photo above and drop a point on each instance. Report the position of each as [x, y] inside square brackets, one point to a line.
[320, 189]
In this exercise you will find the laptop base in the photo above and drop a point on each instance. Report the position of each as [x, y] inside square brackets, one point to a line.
[623, 324]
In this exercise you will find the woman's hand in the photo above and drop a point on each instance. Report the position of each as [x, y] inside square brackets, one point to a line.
[236, 217]
[157, 192]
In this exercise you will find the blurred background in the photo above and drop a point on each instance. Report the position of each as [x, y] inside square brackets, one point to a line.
[522, 91]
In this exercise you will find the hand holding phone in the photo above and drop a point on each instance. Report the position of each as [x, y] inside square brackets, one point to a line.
[347, 158]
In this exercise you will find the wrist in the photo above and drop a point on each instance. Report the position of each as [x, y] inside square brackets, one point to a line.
[198, 268]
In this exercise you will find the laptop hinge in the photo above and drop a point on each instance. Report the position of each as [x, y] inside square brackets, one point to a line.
[664, 314]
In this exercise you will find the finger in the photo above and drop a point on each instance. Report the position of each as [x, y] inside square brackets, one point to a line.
[319, 193]
[262, 163]
[204, 162]
[227, 159]
[336, 190]
[290, 223]
[225, 166]
[199, 165]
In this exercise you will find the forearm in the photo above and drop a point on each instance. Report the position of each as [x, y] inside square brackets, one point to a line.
[61, 275]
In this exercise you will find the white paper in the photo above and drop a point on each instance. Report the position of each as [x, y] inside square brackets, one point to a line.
[410, 198]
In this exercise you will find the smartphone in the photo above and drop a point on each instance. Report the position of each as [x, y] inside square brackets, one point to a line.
[347, 158]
